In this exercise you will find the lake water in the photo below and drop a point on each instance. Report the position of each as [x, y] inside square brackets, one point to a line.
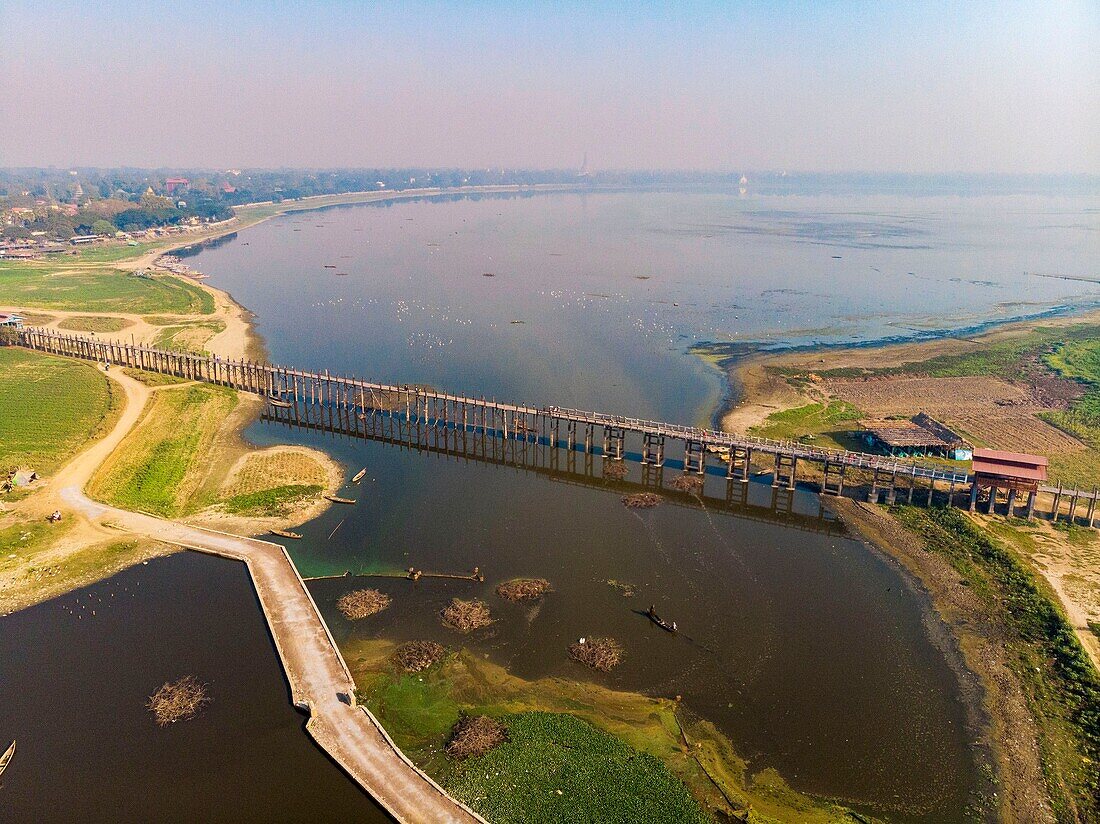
[799, 643]
[803, 646]
[596, 298]
[76, 672]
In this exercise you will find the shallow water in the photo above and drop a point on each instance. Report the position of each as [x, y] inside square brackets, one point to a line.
[803, 646]
[76, 672]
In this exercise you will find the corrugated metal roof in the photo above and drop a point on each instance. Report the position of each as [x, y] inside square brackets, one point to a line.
[1010, 457]
[1010, 464]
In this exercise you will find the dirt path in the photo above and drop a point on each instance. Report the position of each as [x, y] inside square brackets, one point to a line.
[319, 679]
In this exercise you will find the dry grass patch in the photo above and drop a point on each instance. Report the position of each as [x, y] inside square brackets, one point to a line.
[523, 589]
[475, 736]
[415, 656]
[466, 616]
[692, 484]
[178, 701]
[362, 603]
[278, 466]
[94, 323]
[603, 654]
[641, 500]
[615, 470]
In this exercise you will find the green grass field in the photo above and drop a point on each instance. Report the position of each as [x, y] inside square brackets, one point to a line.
[162, 464]
[829, 425]
[270, 502]
[113, 254]
[557, 768]
[50, 408]
[98, 289]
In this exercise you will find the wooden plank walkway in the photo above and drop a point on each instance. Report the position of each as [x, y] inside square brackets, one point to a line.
[342, 401]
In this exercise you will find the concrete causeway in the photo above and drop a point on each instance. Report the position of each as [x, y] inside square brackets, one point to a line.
[320, 681]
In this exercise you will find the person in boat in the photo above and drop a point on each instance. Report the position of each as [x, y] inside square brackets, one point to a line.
[651, 612]
[674, 626]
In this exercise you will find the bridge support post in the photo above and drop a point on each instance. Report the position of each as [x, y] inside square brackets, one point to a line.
[1073, 505]
[614, 441]
[589, 436]
[1031, 505]
[1011, 502]
[739, 464]
[1057, 507]
[1092, 508]
[653, 448]
[973, 496]
[891, 493]
[695, 457]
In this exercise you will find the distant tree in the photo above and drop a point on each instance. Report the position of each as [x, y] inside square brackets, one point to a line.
[103, 227]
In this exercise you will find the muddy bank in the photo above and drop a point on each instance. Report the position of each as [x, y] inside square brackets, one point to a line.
[972, 640]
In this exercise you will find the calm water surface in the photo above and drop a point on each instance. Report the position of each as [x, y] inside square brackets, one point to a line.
[75, 673]
[804, 647]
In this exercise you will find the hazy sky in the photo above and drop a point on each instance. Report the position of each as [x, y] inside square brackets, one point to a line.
[913, 87]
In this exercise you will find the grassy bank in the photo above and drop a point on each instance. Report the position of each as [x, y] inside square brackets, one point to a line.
[829, 424]
[163, 465]
[49, 285]
[51, 407]
[1060, 684]
[603, 748]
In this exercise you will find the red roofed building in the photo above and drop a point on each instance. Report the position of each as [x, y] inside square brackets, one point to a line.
[1012, 471]
[173, 183]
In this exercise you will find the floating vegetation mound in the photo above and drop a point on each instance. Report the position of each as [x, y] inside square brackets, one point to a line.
[178, 701]
[692, 484]
[414, 656]
[625, 589]
[603, 654]
[474, 736]
[466, 616]
[362, 603]
[641, 500]
[523, 589]
[615, 470]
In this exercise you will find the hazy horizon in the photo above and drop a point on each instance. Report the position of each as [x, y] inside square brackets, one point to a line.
[840, 87]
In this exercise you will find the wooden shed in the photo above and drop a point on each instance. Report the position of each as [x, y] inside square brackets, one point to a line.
[1012, 471]
[917, 436]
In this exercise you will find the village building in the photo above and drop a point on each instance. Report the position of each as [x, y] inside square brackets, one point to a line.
[1014, 472]
[919, 436]
[11, 320]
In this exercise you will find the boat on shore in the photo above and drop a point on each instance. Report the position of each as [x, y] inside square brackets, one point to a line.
[6, 758]
[336, 499]
[359, 476]
[280, 403]
[282, 533]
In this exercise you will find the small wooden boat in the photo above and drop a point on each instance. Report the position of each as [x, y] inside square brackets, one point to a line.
[663, 624]
[330, 265]
[359, 476]
[6, 758]
[336, 499]
[280, 403]
[282, 533]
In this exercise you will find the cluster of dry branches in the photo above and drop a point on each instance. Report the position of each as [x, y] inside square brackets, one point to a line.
[362, 603]
[178, 701]
[641, 500]
[615, 470]
[474, 736]
[603, 654]
[414, 656]
[466, 616]
[523, 589]
[692, 484]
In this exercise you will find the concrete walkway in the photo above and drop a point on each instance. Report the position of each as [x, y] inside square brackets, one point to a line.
[319, 678]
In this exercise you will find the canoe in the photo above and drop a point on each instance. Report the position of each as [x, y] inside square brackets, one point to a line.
[336, 499]
[282, 533]
[663, 624]
[279, 403]
[5, 759]
[359, 476]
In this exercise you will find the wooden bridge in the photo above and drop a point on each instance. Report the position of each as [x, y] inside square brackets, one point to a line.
[349, 405]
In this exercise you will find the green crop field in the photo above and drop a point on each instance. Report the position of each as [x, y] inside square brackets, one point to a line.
[276, 501]
[50, 408]
[113, 254]
[160, 466]
[557, 768]
[99, 289]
